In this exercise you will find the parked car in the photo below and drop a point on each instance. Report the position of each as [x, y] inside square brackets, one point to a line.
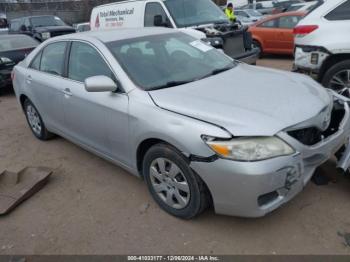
[164, 106]
[40, 27]
[303, 7]
[82, 27]
[323, 45]
[201, 19]
[283, 5]
[13, 49]
[260, 8]
[248, 16]
[274, 34]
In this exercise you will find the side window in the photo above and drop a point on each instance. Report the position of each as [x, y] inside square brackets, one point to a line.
[36, 62]
[269, 24]
[85, 61]
[288, 22]
[342, 12]
[14, 26]
[52, 58]
[27, 24]
[153, 10]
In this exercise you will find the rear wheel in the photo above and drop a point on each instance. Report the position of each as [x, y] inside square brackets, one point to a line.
[173, 184]
[35, 121]
[337, 78]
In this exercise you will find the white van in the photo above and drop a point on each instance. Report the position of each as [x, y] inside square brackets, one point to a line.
[201, 19]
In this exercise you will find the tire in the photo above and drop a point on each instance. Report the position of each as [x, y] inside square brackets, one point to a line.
[258, 45]
[338, 71]
[35, 121]
[164, 182]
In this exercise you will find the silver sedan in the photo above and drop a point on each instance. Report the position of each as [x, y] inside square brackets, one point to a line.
[200, 128]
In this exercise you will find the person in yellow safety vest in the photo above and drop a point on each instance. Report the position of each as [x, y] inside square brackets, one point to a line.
[230, 13]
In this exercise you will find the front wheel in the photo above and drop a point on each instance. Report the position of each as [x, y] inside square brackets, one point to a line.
[337, 78]
[173, 184]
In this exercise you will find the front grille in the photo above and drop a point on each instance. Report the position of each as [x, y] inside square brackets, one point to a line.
[312, 135]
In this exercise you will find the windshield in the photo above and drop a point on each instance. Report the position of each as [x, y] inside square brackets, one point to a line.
[253, 12]
[16, 42]
[41, 21]
[195, 12]
[161, 61]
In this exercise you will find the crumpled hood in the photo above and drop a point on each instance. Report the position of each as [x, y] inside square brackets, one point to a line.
[247, 100]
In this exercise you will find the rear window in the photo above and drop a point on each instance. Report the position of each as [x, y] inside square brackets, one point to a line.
[17, 42]
[41, 21]
[342, 12]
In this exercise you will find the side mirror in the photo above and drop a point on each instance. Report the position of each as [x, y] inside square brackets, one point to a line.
[100, 84]
[158, 20]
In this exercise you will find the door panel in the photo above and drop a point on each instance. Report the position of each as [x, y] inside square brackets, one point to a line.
[47, 97]
[267, 33]
[285, 40]
[97, 120]
[45, 81]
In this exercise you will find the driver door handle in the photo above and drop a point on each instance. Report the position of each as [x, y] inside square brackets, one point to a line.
[29, 79]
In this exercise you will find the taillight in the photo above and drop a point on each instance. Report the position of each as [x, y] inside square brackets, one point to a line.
[303, 30]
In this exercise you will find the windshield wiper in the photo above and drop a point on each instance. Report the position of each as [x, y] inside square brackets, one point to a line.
[169, 84]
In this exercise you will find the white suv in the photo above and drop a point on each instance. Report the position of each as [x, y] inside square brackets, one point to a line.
[322, 42]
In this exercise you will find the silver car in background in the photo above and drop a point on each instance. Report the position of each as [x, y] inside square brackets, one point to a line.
[248, 16]
[199, 127]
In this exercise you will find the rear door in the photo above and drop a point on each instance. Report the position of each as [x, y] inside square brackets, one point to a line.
[44, 82]
[285, 36]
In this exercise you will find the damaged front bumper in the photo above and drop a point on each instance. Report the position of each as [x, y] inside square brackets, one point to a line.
[253, 189]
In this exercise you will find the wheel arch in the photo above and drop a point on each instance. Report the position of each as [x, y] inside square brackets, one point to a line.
[331, 61]
[146, 144]
[23, 98]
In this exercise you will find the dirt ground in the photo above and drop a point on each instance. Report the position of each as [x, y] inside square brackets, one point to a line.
[93, 207]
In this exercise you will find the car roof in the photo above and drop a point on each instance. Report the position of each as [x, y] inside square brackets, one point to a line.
[271, 17]
[116, 34]
[24, 17]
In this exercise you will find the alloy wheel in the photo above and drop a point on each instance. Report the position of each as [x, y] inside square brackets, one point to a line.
[169, 183]
[340, 82]
[34, 119]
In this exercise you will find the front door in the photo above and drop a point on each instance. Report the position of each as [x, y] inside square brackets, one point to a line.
[96, 120]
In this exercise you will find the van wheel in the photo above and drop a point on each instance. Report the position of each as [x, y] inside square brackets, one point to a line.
[173, 184]
[35, 121]
[337, 78]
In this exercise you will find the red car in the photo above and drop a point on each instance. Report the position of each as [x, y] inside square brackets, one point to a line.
[274, 34]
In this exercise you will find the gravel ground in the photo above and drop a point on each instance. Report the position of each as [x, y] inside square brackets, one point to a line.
[93, 207]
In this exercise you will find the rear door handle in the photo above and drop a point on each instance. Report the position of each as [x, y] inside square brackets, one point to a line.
[67, 92]
[29, 79]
